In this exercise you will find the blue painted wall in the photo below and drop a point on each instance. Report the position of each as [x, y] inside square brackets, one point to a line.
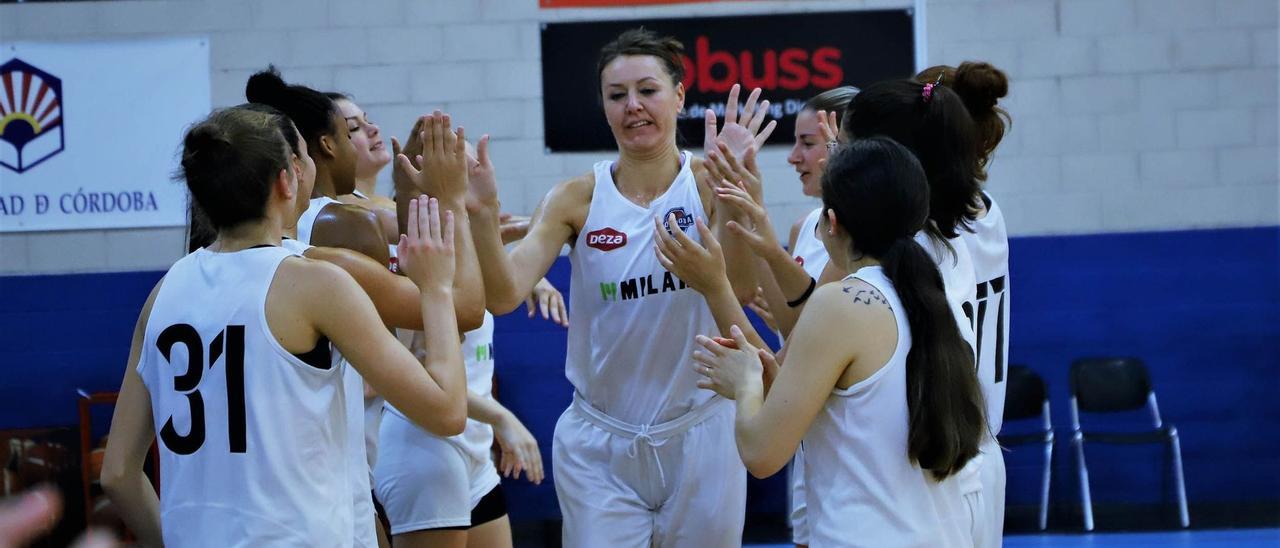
[1201, 307]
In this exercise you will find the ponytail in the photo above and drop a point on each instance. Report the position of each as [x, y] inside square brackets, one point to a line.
[878, 192]
[944, 403]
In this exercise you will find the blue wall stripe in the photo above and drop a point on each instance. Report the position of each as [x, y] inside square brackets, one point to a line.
[1201, 307]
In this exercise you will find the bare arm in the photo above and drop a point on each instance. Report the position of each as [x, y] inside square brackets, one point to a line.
[703, 268]
[738, 255]
[510, 278]
[395, 297]
[437, 400]
[768, 429]
[132, 432]
[519, 448]
[433, 163]
[790, 278]
[784, 316]
[384, 213]
[351, 227]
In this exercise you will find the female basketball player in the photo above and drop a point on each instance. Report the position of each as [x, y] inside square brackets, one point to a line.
[330, 223]
[441, 491]
[808, 156]
[641, 457]
[371, 156]
[877, 381]
[981, 86]
[283, 476]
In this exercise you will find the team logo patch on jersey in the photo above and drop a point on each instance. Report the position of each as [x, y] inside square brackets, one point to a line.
[606, 239]
[683, 218]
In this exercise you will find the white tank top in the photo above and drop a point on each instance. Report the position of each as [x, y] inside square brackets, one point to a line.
[863, 489]
[476, 440]
[308, 219]
[629, 356]
[989, 246]
[357, 435]
[253, 441]
[810, 252]
[957, 277]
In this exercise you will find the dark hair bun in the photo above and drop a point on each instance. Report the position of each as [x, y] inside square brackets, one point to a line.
[265, 87]
[981, 85]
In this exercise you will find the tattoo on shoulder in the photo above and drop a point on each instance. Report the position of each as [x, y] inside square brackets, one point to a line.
[867, 296]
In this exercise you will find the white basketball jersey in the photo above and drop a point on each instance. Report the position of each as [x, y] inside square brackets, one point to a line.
[253, 441]
[989, 246]
[477, 354]
[863, 489]
[366, 534]
[476, 440]
[810, 252]
[956, 267]
[308, 219]
[629, 356]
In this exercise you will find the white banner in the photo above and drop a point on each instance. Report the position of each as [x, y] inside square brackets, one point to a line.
[90, 131]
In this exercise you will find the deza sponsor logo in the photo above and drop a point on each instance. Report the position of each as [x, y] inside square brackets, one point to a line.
[715, 71]
[606, 239]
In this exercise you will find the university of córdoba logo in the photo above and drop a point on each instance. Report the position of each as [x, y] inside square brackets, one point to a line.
[30, 115]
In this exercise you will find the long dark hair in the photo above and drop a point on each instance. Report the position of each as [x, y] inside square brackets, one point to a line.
[877, 190]
[937, 128]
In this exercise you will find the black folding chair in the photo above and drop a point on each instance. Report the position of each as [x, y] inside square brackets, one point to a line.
[1026, 397]
[1111, 385]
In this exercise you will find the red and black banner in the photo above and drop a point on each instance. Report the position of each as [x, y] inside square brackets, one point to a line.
[792, 57]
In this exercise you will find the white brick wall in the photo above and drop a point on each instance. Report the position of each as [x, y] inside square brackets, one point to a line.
[1128, 114]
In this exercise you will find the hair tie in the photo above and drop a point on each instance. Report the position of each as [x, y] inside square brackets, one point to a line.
[928, 88]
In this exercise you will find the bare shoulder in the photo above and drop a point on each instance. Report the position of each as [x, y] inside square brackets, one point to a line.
[568, 201]
[699, 167]
[849, 303]
[309, 276]
[576, 189]
[863, 295]
[347, 214]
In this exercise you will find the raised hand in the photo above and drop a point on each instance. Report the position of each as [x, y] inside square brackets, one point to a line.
[402, 180]
[482, 183]
[741, 133]
[829, 127]
[426, 253]
[700, 267]
[549, 301]
[728, 369]
[762, 238]
[443, 161]
[519, 450]
[722, 164]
